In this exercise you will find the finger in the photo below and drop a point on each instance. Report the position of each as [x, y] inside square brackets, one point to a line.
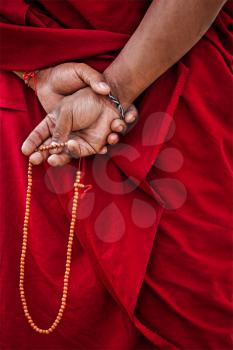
[59, 159]
[92, 78]
[63, 126]
[118, 125]
[113, 138]
[65, 81]
[38, 135]
[131, 114]
[37, 158]
[104, 150]
[78, 147]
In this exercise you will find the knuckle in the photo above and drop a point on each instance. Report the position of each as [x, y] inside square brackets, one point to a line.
[82, 66]
[82, 72]
[38, 136]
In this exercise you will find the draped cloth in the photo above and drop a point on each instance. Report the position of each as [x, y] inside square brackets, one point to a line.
[152, 257]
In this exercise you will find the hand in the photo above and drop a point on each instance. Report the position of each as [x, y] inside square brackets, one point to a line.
[84, 119]
[56, 82]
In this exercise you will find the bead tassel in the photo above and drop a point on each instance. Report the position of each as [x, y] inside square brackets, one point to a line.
[77, 186]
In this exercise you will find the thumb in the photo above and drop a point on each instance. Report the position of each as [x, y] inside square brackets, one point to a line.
[92, 78]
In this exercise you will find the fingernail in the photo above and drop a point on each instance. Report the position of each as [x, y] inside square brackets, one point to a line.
[130, 118]
[120, 128]
[52, 160]
[25, 149]
[103, 85]
[22, 147]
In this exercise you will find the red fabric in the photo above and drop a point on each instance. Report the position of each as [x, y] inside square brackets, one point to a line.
[152, 260]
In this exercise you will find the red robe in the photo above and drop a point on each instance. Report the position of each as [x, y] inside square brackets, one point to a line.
[152, 261]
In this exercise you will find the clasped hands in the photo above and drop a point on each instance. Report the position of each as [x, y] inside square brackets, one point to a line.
[75, 96]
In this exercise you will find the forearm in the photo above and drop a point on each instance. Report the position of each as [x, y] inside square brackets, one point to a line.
[168, 31]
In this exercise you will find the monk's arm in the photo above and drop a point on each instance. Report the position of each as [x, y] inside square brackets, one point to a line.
[168, 30]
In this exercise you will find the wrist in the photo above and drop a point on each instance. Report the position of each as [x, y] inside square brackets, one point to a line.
[121, 86]
[38, 81]
[38, 76]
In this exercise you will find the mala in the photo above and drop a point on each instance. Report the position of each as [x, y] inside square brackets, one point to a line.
[77, 186]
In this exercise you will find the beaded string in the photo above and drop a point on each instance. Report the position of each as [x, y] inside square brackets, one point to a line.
[77, 186]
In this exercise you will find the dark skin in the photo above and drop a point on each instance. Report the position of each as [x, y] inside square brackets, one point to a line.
[56, 83]
[167, 32]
